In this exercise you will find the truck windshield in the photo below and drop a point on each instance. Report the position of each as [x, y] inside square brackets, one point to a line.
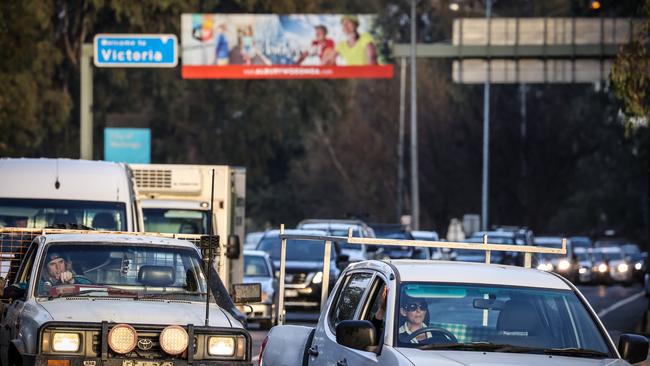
[476, 317]
[173, 221]
[40, 213]
[97, 269]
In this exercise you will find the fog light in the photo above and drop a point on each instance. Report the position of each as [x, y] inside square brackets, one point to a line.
[122, 338]
[66, 342]
[221, 346]
[174, 340]
[638, 266]
[623, 267]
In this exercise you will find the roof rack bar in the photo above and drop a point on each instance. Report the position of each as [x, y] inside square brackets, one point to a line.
[326, 279]
[488, 253]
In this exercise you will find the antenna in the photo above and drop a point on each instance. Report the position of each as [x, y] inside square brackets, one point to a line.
[210, 258]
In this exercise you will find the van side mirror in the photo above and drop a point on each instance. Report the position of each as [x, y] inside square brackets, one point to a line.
[233, 249]
[633, 348]
[356, 334]
[245, 293]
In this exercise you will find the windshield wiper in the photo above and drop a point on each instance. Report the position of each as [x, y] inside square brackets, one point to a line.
[576, 352]
[173, 293]
[104, 291]
[481, 346]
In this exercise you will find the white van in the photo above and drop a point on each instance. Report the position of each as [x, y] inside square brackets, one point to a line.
[39, 193]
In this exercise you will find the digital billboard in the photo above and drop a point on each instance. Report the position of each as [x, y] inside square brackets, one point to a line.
[270, 46]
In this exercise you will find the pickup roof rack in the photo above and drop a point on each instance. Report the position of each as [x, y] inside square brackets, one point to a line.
[528, 251]
[14, 242]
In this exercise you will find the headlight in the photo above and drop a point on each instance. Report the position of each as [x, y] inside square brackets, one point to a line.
[66, 342]
[563, 265]
[545, 267]
[122, 338]
[221, 346]
[602, 268]
[623, 267]
[582, 270]
[318, 278]
[174, 340]
[638, 266]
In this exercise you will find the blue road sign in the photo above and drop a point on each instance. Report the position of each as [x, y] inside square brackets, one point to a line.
[127, 145]
[135, 50]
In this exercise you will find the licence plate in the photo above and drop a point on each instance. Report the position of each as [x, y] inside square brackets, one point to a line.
[146, 363]
[290, 293]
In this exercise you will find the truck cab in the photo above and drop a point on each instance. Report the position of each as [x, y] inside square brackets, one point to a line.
[38, 193]
[88, 298]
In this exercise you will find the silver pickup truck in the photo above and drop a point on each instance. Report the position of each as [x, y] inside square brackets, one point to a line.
[119, 300]
[423, 312]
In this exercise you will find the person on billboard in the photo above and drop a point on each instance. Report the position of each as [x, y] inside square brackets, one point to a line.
[221, 50]
[247, 52]
[321, 46]
[356, 49]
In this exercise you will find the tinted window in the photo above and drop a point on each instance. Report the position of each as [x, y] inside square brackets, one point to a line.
[159, 220]
[255, 266]
[297, 250]
[37, 213]
[349, 298]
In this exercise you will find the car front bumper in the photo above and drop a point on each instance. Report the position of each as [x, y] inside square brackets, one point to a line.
[43, 360]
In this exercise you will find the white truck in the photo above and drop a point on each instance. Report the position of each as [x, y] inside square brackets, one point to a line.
[424, 312]
[177, 199]
[37, 193]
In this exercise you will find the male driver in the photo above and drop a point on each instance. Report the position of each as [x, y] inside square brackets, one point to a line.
[414, 311]
[57, 272]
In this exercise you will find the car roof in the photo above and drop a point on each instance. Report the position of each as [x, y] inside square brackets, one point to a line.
[611, 249]
[411, 270]
[548, 240]
[256, 253]
[499, 233]
[329, 225]
[117, 238]
[295, 232]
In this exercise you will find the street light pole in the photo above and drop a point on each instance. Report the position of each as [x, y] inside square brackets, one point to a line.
[415, 189]
[486, 125]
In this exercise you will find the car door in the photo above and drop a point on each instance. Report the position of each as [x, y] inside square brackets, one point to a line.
[324, 350]
[11, 309]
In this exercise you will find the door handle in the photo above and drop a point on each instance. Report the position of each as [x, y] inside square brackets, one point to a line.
[313, 351]
[342, 362]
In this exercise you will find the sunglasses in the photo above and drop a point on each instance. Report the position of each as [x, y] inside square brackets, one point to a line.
[413, 307]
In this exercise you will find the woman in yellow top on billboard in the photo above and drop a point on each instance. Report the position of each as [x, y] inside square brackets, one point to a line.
[357, 49]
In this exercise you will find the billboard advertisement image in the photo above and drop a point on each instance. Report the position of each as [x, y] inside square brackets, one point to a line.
[269, 46]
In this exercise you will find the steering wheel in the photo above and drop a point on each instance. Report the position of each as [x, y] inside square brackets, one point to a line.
[82, 280]
[448, 336]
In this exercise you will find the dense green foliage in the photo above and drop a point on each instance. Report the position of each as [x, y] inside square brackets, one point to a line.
[323, 148]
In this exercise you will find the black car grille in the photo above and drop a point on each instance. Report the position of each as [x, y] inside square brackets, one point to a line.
[297, 278]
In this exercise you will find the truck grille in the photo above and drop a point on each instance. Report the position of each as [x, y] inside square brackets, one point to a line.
[153, 178]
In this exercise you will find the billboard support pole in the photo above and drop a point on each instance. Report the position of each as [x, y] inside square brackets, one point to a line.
[415, 189]
[86, 108]
[400, 144]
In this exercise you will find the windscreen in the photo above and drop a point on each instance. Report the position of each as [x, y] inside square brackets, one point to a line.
[255, 266]
[128, 270]
[297, 250]
[41, 213]
[161, 220]
[539, 319]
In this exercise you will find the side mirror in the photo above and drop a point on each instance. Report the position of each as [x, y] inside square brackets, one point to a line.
[233, 249]
[13, 293]
[356, 334]
[245, 293]
[633, 348]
